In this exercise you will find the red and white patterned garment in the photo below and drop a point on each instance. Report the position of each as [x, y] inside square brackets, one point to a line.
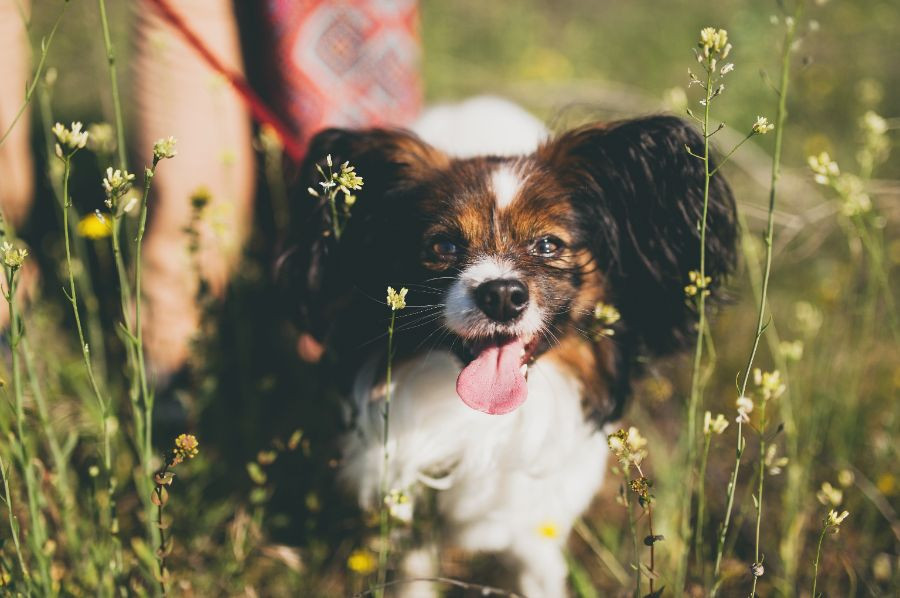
[352, 63]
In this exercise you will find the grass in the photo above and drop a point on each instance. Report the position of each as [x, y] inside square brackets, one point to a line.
[257, 508]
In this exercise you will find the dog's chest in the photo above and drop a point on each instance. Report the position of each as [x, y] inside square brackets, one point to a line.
[543, 462]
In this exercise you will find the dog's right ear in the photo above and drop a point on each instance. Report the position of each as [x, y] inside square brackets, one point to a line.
[315, 272]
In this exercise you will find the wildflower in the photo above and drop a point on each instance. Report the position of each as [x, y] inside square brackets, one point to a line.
[698, 283]
[13, 257]
[396, 301]
[846, 478]
[628, 447]
[714, 426]
[828, 495]
[714, 42]
[548, 530]
[769, 383]
[762, 125]
[853, 195]
[808, 317]
[641, 487]
[347, 179]
[94, 226]
[824, 167]
[116, 182]
[605, 316]
[200, 198]
[72, 139]
[757, 569]
[399, 505]
[791, 350]
[129, 201]
[874, 124]
[361, 562]
[835, 519]
[164, 148]
[744, 409]
[186, 447]
[726, 68]
[101, 138]
[773, 462]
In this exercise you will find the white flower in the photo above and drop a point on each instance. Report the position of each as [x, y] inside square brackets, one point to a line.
[830, 496]
[164, 148]
[399, 505]
[835, 519]
[117, 182]
[773, 462]
[762, 125]
[629, 447]
[726, 68]
[396, 300]
[72, 139]
[744, 408]
[13, 257]
[714, 426]
[824, 168]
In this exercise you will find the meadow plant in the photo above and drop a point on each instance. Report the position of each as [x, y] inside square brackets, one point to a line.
[713, 49]
[343, 181]
[396, 301]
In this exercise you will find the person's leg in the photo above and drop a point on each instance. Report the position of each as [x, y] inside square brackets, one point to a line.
[16, 166]
[177, 94]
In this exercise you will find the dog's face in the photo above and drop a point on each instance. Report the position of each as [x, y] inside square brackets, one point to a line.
[506, 258]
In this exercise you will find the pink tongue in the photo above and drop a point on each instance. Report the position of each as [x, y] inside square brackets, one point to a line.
[493, 382]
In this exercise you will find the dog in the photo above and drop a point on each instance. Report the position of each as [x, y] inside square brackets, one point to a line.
[507, 239]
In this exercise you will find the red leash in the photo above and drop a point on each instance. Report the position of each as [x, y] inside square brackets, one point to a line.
[258, 108]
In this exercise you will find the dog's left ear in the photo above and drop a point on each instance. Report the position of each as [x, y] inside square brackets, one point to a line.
[640, 194]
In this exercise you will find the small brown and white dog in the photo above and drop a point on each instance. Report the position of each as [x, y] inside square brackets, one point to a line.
[507, 240]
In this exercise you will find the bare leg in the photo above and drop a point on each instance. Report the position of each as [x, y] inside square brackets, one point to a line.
[16, 166]
[178, 94]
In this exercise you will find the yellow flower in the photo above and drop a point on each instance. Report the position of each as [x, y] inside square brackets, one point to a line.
[548, 530]
[94, 226]
[361, 562]
[396, 301]
[714, 426]
[186, 447]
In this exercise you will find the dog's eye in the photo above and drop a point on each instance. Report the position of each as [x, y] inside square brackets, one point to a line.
[547, 246]
[444, 248]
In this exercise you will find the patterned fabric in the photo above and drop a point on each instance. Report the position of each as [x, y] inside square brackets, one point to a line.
[351, 63]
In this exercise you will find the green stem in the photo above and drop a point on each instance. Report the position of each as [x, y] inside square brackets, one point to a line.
[759, 490]
[13, 527]
[45, 49]
[85, 283]
[781, 120]
[634, 539]
[114, 86]
[696, 384]
[701, 503]
[816, 563]
[38, 534]
[385, 523]
[102, 403]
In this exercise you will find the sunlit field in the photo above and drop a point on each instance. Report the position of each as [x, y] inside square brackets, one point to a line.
[762, 459]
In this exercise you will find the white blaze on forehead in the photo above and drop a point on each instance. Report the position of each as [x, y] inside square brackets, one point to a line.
[505, 183]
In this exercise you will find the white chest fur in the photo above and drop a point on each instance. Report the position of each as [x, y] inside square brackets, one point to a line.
[500, 479]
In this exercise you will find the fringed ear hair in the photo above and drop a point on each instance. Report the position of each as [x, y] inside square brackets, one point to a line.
[641, 197]
[318, 270]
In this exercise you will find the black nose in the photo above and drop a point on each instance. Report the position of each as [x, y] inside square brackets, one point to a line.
[502, 300]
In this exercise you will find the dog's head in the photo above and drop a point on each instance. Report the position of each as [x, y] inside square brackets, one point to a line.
[506, 258]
